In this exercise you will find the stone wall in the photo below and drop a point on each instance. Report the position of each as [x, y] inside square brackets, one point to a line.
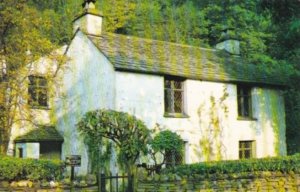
[258, 182]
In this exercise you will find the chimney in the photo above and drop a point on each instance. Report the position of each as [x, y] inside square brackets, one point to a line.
[90, 20]
[229, 42]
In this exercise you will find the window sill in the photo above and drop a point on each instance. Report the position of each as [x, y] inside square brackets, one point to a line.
[246, 119]
[176, 115]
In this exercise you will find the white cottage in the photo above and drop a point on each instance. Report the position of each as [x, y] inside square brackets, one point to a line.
[222, 107]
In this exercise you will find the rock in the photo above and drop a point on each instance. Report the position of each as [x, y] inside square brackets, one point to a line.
[53, 184]
[45, 184]
[14, 184]
[23, 183]
[82, 183]
[91, 179]
[4, 184]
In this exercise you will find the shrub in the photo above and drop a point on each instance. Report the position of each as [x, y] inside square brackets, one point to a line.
[281, 164]
[12, 168]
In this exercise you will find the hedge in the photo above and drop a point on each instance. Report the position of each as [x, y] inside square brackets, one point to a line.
[279, 164]
[12, 168]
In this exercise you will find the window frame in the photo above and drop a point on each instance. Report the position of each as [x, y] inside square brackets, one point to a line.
[244, 102]
[174, 158]
[170, 90]
[243, 149]
[37, 89]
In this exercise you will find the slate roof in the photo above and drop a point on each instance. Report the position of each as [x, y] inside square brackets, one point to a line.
[43, 133]
[141, 55]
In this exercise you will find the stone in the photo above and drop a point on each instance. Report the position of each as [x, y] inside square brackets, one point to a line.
[4, 184]
[91, 179]
[53, 184]
[14, 184]
[23, 183]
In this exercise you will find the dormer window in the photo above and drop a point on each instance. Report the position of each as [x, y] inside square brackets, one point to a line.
[174, 96]
[38, 91]
[244, 101]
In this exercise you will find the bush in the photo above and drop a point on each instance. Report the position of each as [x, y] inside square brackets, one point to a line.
[12, 168]
[282, 164]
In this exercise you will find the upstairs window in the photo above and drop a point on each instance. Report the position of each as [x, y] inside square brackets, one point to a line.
[174, 101]
[38, 91]
[244, 101]
[246, 149]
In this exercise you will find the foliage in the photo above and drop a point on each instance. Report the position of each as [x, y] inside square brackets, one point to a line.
[12, 168]
[165, 141]
[23, 41]
[128, 133]
[282, 164]
[268, 31]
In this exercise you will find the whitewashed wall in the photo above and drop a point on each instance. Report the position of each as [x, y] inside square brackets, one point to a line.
[30, 150]
[143, 96]
[87, 84]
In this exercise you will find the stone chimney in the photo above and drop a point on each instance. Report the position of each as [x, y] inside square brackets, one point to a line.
[90, 20]
[229, 42]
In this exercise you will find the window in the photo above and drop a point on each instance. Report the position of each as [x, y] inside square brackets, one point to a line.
[244, 101]
[50, 150]
[37, 90]
[174, 96]
[246, 149]
[20, 152]
[173, 158]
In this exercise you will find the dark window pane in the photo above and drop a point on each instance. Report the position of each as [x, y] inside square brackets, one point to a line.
[177, 84]
[168, 100]
[167, 84]
[37, 91]
[247, 145]
[173, 96]
[241, 156]
[244, 101]
[173, 158]
[247, 154]
[246, 149]
[178, 101]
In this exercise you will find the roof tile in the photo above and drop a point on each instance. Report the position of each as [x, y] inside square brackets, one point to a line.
[164, 58]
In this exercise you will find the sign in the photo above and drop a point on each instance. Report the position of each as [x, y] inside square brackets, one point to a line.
[73, 160]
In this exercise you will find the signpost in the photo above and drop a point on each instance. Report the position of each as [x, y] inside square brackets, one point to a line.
[73, 161]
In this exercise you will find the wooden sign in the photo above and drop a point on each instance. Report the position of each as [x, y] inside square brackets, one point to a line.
[73, 160]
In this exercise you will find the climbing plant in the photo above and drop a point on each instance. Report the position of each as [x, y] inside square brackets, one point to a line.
[129, 134]
[211, 142]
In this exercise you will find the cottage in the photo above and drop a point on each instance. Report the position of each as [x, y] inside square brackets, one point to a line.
[221, 106]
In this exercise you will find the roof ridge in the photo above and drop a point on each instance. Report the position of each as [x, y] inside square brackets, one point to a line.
[152, 40]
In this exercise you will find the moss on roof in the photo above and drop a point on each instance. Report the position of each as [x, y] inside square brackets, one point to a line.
[43, 133]
[164, 58]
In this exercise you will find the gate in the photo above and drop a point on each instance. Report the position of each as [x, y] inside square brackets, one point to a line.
[114, 183]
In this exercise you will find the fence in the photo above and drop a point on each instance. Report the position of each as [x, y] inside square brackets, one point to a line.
[114, 183]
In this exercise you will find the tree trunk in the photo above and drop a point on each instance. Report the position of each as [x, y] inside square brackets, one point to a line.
[130, 186]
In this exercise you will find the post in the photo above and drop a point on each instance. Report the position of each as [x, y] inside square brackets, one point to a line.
[102, 182]
[72, 173]
[99, 166]
[73, 160]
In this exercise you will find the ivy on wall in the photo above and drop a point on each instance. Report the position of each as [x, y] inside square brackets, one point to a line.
[211, 143]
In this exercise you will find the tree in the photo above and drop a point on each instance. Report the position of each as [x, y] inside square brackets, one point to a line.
[163, 142]
[128, 133]
[286, 48]
[22, 42]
